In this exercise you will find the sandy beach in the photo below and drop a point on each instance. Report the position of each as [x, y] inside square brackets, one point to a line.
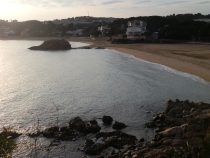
[193, 58]
[198, 67]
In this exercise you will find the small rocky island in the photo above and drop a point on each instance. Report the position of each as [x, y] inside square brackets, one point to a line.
[53, 45]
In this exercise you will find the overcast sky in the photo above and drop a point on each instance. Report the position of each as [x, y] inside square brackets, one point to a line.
[53, 9]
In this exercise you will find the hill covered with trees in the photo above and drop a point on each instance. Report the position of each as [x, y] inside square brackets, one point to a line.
[186, 27]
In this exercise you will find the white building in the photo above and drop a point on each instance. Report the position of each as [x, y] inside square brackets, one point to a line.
[136, 29]
[104, 30]
[203, 20]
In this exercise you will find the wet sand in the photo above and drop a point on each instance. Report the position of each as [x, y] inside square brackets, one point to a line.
[193, 58]
[184, 65]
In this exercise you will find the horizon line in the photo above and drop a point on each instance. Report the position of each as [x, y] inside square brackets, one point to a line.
[9, 20]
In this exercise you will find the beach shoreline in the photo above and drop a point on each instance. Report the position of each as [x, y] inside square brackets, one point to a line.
[195, 61]
[185, 67]
[192, 58]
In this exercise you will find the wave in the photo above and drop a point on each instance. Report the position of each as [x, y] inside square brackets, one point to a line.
[163, 67]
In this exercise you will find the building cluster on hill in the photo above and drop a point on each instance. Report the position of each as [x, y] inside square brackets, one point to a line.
[185, 27]
[82, 20]
[76, 26]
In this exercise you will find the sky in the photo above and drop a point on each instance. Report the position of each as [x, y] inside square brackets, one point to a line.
[59, 9]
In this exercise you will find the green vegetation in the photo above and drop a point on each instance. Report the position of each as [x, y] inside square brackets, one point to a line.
[181, 27]
[7, 142]
[175, 27]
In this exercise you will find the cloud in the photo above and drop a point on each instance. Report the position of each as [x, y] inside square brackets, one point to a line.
[50, 9]
[50, 3]
[67, 3]
[73, 3]
[142, 1]
[112, 2]
[174, 2]
[204, 2]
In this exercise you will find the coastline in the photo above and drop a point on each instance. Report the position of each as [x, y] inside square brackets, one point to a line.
[136, 147]
[178, 65]
[189, 58]
[192, 58]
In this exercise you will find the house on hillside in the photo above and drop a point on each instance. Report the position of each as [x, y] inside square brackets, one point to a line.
[136, 29]
[104, 30]
[203, 20]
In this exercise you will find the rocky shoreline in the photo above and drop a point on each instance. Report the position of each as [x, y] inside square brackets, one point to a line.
[182, 130]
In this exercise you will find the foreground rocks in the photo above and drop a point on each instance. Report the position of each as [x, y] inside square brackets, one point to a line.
[118, 125]
[104, 140]
[99, 141]
[107, 120]
[53, 45]
[77, 128]
[183, 130]
[84, 127]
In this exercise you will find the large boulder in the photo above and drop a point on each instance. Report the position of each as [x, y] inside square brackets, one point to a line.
[107, 120]
[85, 127]
[78, 124]
[51, 132]
[92, 127]
[53, 45]
[105, 140]
[118, 125]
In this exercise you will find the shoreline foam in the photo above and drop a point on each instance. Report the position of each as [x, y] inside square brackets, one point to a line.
[164, 67]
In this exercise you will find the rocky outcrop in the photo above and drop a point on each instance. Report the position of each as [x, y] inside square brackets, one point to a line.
[53, 45]
[181, 131]
[96, 141]
[107, 120]
[118, 125]
[78, 124]
[84, 127]
[63, 133]
[76, 128]
[104, 140]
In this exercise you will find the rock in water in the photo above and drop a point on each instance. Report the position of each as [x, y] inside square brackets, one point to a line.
[78, 124]
[53, 45]
[51, 132]
[105, 140]
[85, 127]
[118, 125]
[107, 120]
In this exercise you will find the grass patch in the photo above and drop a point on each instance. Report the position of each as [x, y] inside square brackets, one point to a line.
[7, 142]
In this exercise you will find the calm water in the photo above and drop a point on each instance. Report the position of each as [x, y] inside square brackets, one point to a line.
[87, 83]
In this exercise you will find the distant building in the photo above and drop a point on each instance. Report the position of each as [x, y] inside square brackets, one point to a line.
[136, 29]
[203, 20]
[104, 30]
